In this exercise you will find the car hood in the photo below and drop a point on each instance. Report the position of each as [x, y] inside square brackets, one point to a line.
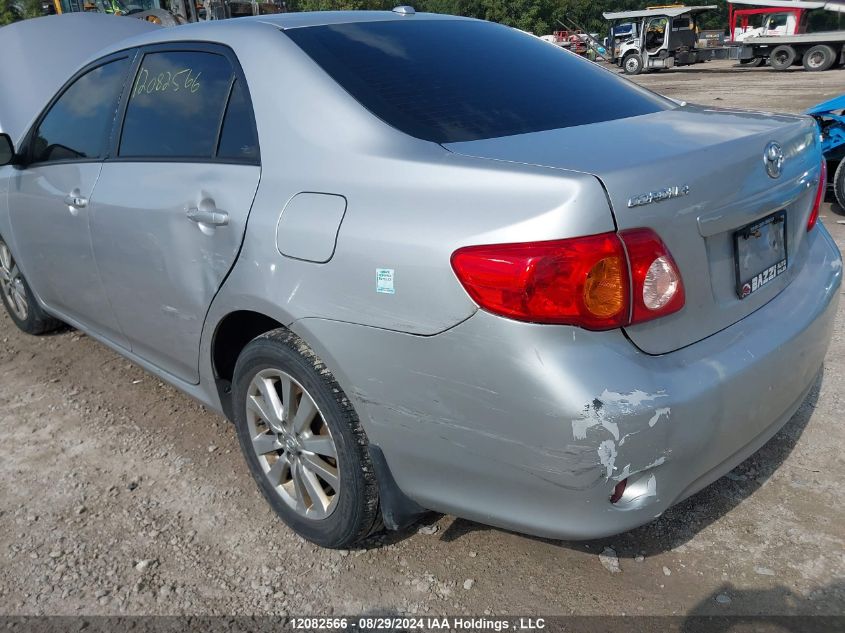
[40, 55]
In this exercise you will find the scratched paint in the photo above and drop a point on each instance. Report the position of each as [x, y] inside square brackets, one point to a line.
[658, 413]
[629, 401]
[594, 414]
[627, 472]
[607, 456]
[602, 411]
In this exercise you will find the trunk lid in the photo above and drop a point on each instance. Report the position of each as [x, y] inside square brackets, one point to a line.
[719, 156]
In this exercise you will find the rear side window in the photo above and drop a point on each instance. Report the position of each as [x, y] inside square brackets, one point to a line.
[176, 105]
[78, 125]
[460, 80]
[237, 138]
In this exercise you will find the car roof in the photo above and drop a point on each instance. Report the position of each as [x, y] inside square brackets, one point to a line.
[324, 18]
[231, 30]
[76, 39]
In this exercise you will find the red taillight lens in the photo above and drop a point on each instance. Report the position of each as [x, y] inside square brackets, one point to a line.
[581, 281]
[658, 289]
[817, 202]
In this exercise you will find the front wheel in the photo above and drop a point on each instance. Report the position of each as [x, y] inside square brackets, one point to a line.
[754, 62]
[18, 299]
[303, 442]
[632, 64]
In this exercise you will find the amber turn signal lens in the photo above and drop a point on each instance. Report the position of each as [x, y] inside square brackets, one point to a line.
[605, 287]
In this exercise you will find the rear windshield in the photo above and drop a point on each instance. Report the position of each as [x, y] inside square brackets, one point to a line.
[462, 80]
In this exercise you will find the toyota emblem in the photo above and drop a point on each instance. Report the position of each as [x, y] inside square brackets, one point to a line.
[773, 159]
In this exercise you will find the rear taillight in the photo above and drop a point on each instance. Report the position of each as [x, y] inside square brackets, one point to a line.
[583, 281]
[658, 289]
[817, 202]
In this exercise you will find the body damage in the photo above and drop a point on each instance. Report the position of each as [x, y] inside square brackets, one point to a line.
[510, 423]
[636, 413]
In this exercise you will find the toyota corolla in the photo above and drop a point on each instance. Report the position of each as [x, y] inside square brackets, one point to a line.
[421, 262]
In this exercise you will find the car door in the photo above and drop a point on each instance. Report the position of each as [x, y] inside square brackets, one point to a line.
[656, 34]
[50, 195]
[171, 205]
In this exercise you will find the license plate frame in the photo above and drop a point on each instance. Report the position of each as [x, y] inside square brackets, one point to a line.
[756, 266]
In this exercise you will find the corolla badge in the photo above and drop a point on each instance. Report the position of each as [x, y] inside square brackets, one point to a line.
[773, 159]
[658, 196]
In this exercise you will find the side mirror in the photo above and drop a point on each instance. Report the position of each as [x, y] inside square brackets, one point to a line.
[7, 150]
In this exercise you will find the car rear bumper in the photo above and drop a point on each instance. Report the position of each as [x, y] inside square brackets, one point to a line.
[530, 427]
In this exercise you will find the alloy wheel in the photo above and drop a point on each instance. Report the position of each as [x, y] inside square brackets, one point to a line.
[293, 443]
[11, 284]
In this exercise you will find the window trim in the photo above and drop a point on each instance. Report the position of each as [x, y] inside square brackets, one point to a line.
[27, 144]
[185, 47]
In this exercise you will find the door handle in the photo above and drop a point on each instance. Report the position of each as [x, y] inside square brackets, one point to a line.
[77, 201]
[209, 217]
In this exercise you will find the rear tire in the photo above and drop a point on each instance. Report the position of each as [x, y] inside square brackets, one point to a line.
[839, 185]
[818, 58]
[20, 303]
[782, 57]
[632, 64]
[303, 442]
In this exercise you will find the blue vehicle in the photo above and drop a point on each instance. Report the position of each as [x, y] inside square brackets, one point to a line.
[831, 118]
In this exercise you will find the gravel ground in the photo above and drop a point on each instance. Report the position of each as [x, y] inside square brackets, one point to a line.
[121, 496]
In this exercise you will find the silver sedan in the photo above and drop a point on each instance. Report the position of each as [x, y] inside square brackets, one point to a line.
[421, 262]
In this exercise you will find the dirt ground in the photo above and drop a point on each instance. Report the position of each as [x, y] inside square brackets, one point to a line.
[119, 495]
[723, 84]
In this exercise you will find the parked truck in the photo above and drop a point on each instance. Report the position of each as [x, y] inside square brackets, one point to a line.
[660, 37]
[787, 43]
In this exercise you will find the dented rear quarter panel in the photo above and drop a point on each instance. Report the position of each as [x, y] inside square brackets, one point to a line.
[530, 427]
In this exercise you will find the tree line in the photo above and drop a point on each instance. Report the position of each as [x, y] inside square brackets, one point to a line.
[14, 10]
[536, 16]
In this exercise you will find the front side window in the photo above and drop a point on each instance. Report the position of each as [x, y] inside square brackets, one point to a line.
[176, 105]
[78, 125]
[460, 80]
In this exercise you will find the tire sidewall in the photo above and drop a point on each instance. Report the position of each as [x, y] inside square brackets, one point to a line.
[790, 58]
[343, 525]
[839, 185]
[827, 63]
[30, 325]
[37, 320]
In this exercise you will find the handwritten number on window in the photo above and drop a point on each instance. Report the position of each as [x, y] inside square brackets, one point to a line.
[182, 80]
